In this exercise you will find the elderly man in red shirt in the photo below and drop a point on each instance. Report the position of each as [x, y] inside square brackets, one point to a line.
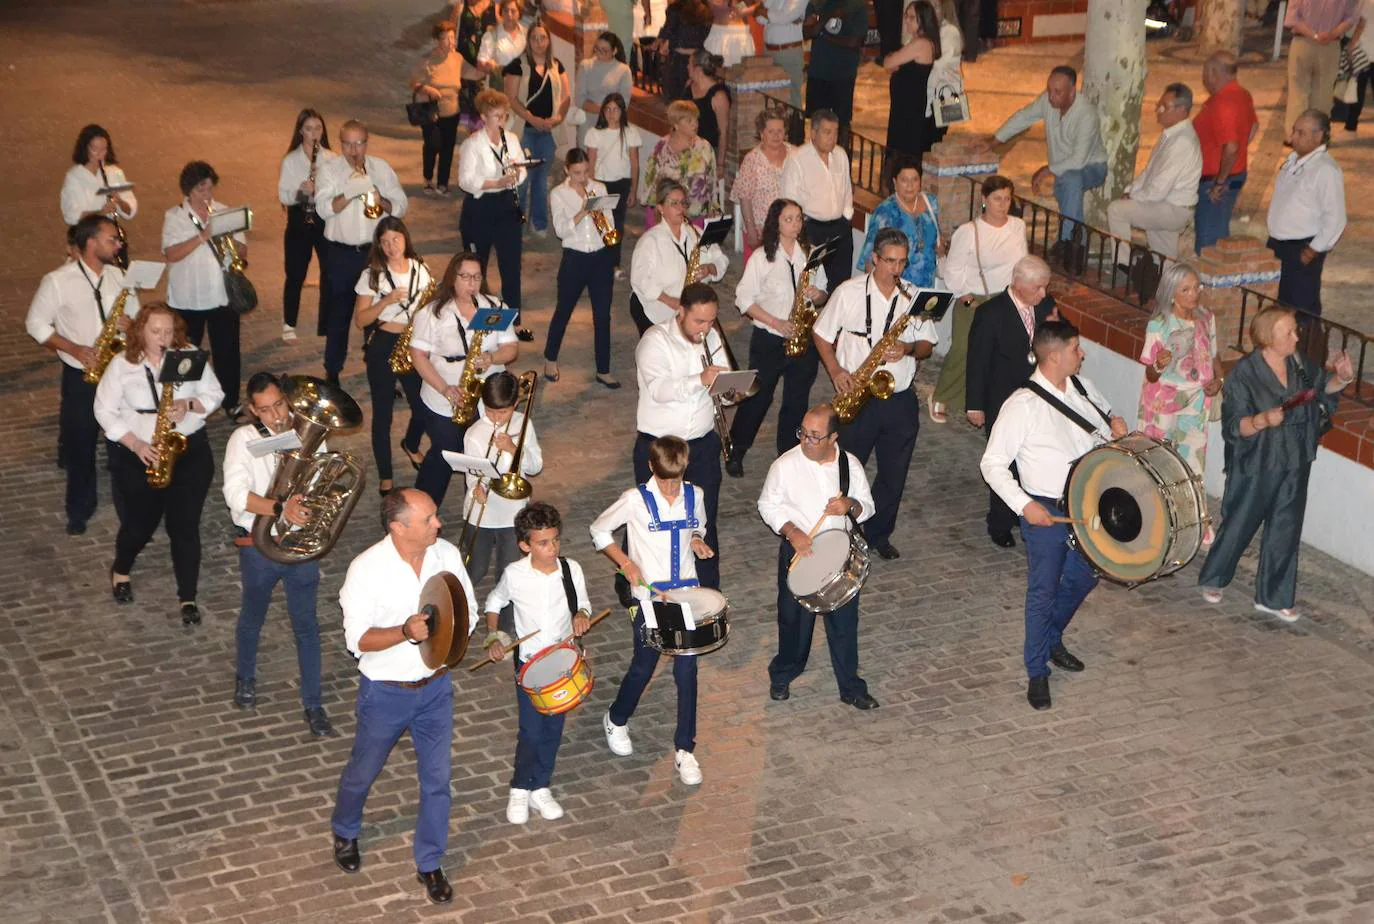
[1225, 125]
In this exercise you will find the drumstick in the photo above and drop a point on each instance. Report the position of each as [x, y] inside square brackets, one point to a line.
[811, 535]
[505, 650]
[595, 619]
[1095, 523]
[652, 592]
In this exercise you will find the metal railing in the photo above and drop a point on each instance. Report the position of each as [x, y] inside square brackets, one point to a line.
[646, 66]
[1319, 338]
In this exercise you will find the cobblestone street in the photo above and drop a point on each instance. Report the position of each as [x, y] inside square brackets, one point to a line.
[1209, 766]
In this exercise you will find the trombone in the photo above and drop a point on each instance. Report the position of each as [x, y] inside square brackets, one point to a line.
[511, 485]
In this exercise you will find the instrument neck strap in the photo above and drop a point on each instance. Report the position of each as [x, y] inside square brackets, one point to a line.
[412, 287]
[152, 387]
[844, 485]
[95, 288]
[569, 590]
[685, 248]
[868, 309]
[676, 528]
[261, 428]
[1064, 409]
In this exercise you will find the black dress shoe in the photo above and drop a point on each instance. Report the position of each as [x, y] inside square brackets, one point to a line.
[414, 455]
[190, 614]
[1038, 693]
[734, 468]
[123, 592]
[75, 529]
[779, 692]
[1002, 540]
[862, 701]
[1062, 657]
[888, 552]
[346, 855]
[436, 887]
[319, 723]
[524, 335]
[245, 696]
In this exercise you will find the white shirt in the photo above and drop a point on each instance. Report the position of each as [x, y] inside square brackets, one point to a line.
[771, 284]
[382, 591]
[501, 46]
[477, 441]
[1072, 140]
[1041, 441]
[349, 225]
[413, 282]
[652, 551]
[446, 336]
[245, 473]
[668, 367]
[797, 490]
[81, 193]
[196, 281]
[846, 316]
[564, 203]
[1309, 200]
[999, 249]
[658, 11]
[540, 601]
[783, 22]
[295, 170]
[613, 151]
[658, 266]
[124, 402]
[824, 192]
[479, 161]
[1174, 169]
[65, 304]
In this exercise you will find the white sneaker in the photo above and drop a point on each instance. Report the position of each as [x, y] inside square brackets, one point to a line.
[288, 332]
[688, 770]
[546, 804]
[518, 808]
[617, 737]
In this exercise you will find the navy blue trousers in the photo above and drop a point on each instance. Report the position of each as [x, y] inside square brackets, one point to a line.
[259, 576]
[767, 355]
[637, 679]
[536, 746]
[888, 428]
[1058, 580]
[343, 264]
[796, 625]
[435, 473]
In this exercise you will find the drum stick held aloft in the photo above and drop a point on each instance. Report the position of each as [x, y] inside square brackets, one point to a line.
[505, 650]
[816, 528]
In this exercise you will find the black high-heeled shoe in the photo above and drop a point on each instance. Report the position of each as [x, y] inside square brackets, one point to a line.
[415, 457]
[190, 613]
[122, 591]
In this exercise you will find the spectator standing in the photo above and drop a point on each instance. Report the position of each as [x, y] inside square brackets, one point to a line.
[1363, 39]
[836, 49]
[604, 73]
[729, 37]
[685, 27]
[910, 135]
[759, 180]
[1314, 56]
[912, 212]
[712, 98]
[1225, 126]
[502, 43]
[684, 156]
[475, 18]
[613, 148]
[439, 77]
[537, 86]
[782, 40]
[816, 177]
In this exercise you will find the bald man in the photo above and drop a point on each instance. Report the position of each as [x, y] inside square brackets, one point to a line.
[1225, 126]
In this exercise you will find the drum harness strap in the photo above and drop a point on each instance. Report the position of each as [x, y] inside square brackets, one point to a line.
[844, 487]
[1067, 411]
[677, 528]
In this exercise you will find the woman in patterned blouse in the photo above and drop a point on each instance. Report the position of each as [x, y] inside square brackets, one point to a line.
[759, 180]
[914, 214]
[685, 156]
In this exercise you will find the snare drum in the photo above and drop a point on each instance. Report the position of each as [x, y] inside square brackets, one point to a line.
[834, 572]
[556, 679]
[711, 613]
[1141, 508]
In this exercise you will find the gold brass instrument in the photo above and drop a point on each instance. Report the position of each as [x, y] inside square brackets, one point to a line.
[469, 383]
[869, 380]
[166, 442]
[122, 257]
[328, 483]
[606, 228]
[512, 485]
[109, 342]
[399, 361]
[802, 318]
[730, 399]
[727, 446]
[467, 538]
[307, 202]
[693, 264]
[372, 200]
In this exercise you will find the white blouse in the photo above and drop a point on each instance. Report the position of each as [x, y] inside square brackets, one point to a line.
[564, 203]
[413, 282]
[196, 281]
[295, 170]
[479, 161]
[126, 403]
[445, 340]
[997, 248]
[658, 266]
[613, 150]
[771, 284]
[81, 193]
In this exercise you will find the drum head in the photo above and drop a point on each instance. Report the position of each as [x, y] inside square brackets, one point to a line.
[549, 666]
[829, 552]
[1126, 531]
[706, 603]
[444, 601]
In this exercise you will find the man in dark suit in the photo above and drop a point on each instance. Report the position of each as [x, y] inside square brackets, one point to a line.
[1000, 360]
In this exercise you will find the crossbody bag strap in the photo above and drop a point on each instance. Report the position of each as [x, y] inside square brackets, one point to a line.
[978, 256]
[1061, 407]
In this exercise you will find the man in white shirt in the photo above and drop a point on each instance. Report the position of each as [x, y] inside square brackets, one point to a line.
[345, 187]
[1162, 198]
[1306, 219]
[782, 40]
[1044, 441]
[853, 322]
[246, 482]
[816, 176]
[66, 316]
[397, 692]
[815, 479]
[658, 267]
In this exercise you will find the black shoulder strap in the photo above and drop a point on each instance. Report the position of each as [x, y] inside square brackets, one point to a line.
[1084, 392]
[844, 473]
[569, 590]
[1061, 407]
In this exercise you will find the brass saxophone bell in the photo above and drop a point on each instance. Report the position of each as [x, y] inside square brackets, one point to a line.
[882, 385]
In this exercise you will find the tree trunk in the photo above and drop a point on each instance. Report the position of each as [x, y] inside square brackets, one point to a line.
[1114, 81]
[1221, 25]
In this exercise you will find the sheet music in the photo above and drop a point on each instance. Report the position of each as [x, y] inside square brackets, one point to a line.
[278, 442]
[143, 274]
[605, 203]
[471, 465]
[231, 221]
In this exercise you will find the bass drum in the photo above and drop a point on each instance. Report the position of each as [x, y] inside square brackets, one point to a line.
[1139, 510]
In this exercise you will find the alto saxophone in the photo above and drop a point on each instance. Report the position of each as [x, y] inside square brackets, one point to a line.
[869, 380]
[469, 383]
[399, 361]
[166, 442]
[693, 264]
[307, 202]
[802, 318]
[109, 342]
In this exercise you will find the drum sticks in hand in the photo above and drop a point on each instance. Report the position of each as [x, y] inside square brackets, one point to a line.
[815, 528]
[507, 649]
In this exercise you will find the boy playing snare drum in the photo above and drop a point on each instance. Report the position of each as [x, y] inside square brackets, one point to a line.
[549, 596]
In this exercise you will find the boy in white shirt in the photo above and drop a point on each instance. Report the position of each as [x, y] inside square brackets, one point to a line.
[494, 436]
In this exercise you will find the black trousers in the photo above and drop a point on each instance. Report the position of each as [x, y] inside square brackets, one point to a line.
[1300, 285]
[840, 265]
[381, 383]
[1000, 518]
[223, 325]
[439, 140]
[343, 263]
[494, 221]
[77, 433]
[642, 322]
[435, 473]
[797, 624]
[594, 274]
[832, 94]
[888, 428]
[300, 241]
[703, 470]
[767, 355]
[1353, 110]
[619, 188]
[889, 16]
[178, 506]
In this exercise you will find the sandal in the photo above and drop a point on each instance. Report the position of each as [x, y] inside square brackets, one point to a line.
[937, 410]
[553, 376]
[607, 381]
[1287, 614]
[1211, 594]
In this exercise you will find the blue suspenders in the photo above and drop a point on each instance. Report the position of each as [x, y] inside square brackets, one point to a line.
[676, 528]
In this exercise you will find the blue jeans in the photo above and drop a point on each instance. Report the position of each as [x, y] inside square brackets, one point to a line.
[1058, 580]
[536, 746]
[1069, 188]
[642, 671]
[534, 193]
[259, 576]
[1212, 220]
[385, 712]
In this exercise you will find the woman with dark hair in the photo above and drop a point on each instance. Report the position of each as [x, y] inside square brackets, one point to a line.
[766, 294]
[604, 73]
[195, 277]
[911, 129]
[390, 292]
[587, 265]
[95, 168]
[502, 43]
[127, 401]
[613, 151]
[915, 214]
[539, 95]
[685, 27]
[473, 20]
[439, 76]
[308, 151]
[712, 97]
[1273, 406]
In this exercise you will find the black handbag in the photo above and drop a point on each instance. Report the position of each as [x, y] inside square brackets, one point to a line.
[243, 297]
[424, 112]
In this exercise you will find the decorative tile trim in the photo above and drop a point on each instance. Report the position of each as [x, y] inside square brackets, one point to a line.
[961, 169]
[1235, 280]
[584, 25]
[758, 86]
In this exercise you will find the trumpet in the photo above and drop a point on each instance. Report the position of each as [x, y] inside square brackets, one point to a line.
[371, 200]
[511, 485]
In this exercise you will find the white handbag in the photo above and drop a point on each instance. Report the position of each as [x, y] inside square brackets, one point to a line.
[950, 105]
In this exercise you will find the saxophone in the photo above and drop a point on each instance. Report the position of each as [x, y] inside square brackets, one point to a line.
[802, 318]
[307, 202]
[109, 342]
[470, 383]
[869, 379]
[399, 361]
[693, 263]
[166, 442]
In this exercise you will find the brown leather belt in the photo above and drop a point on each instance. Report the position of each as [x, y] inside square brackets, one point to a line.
[416, 684]
[784, 47]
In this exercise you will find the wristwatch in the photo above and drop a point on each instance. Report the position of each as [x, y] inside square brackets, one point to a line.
[277, 508]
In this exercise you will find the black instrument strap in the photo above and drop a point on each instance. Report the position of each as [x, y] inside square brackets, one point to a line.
[683, 251]
[152, 387]
[868, 310]
[95, 290]
[1084, 392]
[569, 590]
[1063, 408]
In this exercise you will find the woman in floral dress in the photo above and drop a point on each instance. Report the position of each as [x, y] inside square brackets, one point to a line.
[685, 156]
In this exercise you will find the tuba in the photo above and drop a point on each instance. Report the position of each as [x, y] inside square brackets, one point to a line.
[329, 483]
[109, 341]
[399, 361]
[166, 442]
[470, 383]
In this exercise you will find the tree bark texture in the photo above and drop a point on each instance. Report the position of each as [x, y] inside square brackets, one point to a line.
[1114, 81]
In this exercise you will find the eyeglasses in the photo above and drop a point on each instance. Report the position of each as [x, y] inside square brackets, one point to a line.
[470, 277]
[674, 203]
[812, 437]
[894, 261]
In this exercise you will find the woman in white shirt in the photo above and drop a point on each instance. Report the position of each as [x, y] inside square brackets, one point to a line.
[977, 266]
[390, 291]
[658, 266]
[308, 151]
[95, 168]
[489, 176]
[586, 266]
[613, 148]
[126, 405]
[439, 345]
[195, 277]
[503, 42]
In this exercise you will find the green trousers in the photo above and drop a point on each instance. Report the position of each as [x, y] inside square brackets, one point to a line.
[1277, 500]
[949, 391]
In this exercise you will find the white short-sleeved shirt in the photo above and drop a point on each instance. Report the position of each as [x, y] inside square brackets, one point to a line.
[858, 314]
[413, 282]
[81, 193]
[613, 151]
[446, 339]
[196, 281]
